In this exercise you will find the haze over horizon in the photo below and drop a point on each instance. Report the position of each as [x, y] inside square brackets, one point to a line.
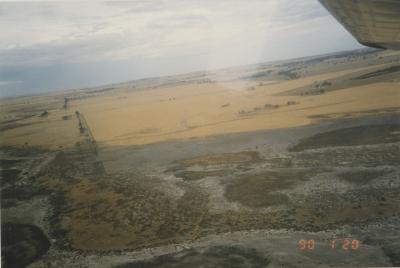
[61, 45]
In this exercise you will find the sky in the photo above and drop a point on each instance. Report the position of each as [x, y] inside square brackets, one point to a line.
[48, 46]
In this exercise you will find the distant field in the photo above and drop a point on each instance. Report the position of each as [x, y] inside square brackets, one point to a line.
[192, 110]
[205, 104]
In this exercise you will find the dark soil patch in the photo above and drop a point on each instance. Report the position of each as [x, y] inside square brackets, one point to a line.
[197, 175]
[8, 203]
[361, 176]
[259, 190]
[348, 156]
[71, 165]
[22, 244]
[9, 176]
[362, 135]
[9, 163]
[22, 192]
[393, 253]
[326, 210]
[62, 166]
[221, 159]
[217, 256]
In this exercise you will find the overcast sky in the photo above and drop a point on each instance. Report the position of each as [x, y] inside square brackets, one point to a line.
[59, 45]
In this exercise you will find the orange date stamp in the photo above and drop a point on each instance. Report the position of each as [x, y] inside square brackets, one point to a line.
[343, 244]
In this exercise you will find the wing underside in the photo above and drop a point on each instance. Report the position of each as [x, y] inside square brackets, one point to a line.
[374, 23]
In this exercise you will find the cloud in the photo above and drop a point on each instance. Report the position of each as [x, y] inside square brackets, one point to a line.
[226, 32]
[39, 33]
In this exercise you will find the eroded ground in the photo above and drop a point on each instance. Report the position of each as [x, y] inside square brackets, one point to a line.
[81, 197]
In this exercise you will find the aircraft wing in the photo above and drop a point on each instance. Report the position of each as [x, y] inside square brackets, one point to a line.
[374, 23]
